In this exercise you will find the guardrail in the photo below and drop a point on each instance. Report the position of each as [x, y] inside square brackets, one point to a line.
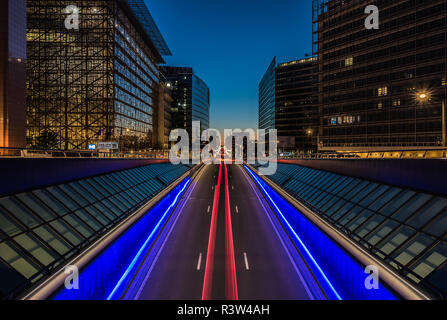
[32, 153]
[397, 154]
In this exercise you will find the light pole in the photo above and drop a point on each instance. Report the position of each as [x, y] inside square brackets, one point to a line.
[424, 96]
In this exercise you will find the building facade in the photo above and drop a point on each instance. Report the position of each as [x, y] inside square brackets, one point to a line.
[163, 117]
[97, 82]
[381, 89]
[288, 102]
[266, 95]
[12, 73]
[296, 105]
[191, 98]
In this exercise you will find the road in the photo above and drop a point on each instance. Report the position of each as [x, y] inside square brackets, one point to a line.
[223, 242]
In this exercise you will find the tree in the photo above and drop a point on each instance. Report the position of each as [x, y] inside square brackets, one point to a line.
[46, 141]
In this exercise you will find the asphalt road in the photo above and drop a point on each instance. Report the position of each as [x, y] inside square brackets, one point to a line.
[266, 267]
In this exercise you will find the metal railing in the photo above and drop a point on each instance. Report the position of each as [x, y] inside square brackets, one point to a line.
[33, 153]
[393, 154]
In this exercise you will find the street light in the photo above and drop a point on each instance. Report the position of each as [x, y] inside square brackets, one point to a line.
[424, 96]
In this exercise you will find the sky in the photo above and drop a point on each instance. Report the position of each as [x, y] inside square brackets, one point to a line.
[230, 44]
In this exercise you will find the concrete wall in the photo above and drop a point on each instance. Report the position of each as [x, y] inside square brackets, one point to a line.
[21, 174]
[420, 174]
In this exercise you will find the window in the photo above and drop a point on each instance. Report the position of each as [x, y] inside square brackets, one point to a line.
[349, 61]
[382, 91]
[396, 103]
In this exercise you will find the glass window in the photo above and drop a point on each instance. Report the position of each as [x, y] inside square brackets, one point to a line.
[374, 195]
[89, 188]
[439, 226]
[37, 206]
[367, 226]
[430, 210]
[8, 226]
[51, 202]
[413, 249]
[396, 239]
[385, 198]
[431, 260]
[36, 249]
[11, 256]
[382, 232]
[80, 227]
[62, 228]
[47, 235]
[412, 206]
[74, 195]
[391, 207]
[19, 212]
[67, 201]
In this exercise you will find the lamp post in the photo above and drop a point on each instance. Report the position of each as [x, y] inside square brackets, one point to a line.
[423, 97]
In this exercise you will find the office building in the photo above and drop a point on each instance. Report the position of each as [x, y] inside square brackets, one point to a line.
[97, 82]
[288, 102]
[191, 98]
[12, 74]
[381, 89]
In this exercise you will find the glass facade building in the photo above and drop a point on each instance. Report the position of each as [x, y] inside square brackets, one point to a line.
[288, 102]
[266, 97]
[96, 83]
[12, 73]
[191, 98]
[296, 103]
[371, 81]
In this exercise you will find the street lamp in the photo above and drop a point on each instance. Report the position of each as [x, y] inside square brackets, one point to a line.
[424, 96]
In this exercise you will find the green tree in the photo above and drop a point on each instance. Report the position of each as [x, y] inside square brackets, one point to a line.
[46, 141]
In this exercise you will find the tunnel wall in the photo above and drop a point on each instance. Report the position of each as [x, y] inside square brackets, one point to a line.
[426, 175]
[23, 174]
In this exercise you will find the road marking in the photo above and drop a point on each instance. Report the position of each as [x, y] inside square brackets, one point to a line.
[237, 209]
[212, 188]
[232, 188]
[208, 211]
[199, 263]
[246, 261]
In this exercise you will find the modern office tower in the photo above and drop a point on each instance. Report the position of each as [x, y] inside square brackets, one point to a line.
[12, 74]
[296, 105]
[94, 82]
[288, 102]
[385, 88]
[191, 98]
[163, 117]
[266, 97]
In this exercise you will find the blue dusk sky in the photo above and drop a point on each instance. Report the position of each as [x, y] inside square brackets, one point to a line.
[230, 44]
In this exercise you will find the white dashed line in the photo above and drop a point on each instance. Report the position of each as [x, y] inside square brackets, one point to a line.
[246, 261]
[199, 263]
[237, 209]
[208, 210]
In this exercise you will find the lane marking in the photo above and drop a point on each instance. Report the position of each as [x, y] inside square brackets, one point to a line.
[237, 209]
[232, 187]
[208, 210]
[246, 261]
[251, 183]
[230, 261]
[146, 278]
[298, 238]
[208, 277]
[199, 263]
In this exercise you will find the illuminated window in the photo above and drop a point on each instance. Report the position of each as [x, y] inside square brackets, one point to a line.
[382, 91]
[380, 106]
[349, 61]
[396, 103]
[443, 82]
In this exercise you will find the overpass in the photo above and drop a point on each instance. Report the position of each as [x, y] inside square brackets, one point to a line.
[146, 229]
